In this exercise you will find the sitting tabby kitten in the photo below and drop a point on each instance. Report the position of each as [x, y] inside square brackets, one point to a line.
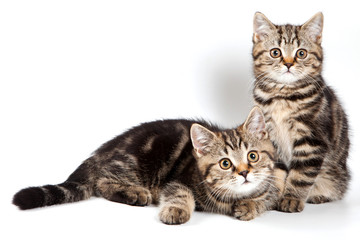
[304, 118]
[178, 163]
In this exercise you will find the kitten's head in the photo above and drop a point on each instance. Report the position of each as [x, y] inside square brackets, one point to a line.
[287, 53]
[235, 163]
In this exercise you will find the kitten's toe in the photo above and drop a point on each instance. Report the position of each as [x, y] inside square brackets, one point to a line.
[134, 195]
[318, 199]
[245, 211]
[174, 215]
[291, 205]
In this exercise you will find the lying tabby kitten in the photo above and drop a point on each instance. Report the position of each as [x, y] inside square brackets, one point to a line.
[304, 117]
[229, 172]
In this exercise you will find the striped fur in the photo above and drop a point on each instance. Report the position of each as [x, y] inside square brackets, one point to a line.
[174, 163]
[304, 117]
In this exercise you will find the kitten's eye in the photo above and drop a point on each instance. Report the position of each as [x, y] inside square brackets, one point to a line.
[253, 156]
[225, 164]
[301, 53]
[275, 53]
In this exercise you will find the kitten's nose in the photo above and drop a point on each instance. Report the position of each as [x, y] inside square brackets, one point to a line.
[244, 173]
[288, 64]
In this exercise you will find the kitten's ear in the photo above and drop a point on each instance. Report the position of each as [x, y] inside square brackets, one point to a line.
[313, 28]
[255, 124]
[262, 27]
[202, 139]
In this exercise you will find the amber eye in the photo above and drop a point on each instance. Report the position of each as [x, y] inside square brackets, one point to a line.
[253, 156]
[301, 53]
[275, 53]
[225, 164]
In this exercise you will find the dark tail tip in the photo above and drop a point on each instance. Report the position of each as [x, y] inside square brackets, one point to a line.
[29, 198]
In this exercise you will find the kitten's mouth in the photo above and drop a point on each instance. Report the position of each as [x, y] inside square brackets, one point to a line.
[246, 182]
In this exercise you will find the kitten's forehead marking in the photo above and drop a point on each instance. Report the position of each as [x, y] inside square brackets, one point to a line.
[239, 155]
[231, 140]
[288, 35]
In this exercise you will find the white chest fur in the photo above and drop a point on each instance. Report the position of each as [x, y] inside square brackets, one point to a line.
[278, 117]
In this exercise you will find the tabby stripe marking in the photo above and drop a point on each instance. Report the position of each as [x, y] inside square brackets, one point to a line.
[301, 183]
[311, 174]
[227, 143]
[281, 165]
[258, 54]
[312, 162]
[317, 56]
[314, 142]
[207, 172]
[54, 195]
[269, 155]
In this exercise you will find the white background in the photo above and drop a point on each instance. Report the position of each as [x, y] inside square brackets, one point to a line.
[73, 74]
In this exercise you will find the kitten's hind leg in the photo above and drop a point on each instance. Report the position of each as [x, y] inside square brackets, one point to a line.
[176, 203]
[124, 193]
[330, 185]
[325, 190]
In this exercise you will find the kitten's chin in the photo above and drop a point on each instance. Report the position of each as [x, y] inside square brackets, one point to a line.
[285, 78]
[244, 188]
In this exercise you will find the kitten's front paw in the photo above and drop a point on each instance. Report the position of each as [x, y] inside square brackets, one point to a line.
[291, 205]
[247, 210]
[174, 215]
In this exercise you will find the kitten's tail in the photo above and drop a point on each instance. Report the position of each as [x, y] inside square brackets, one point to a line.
[76, 188]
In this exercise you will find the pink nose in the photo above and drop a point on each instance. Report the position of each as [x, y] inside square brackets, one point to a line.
[244, 173]
[288, 65]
